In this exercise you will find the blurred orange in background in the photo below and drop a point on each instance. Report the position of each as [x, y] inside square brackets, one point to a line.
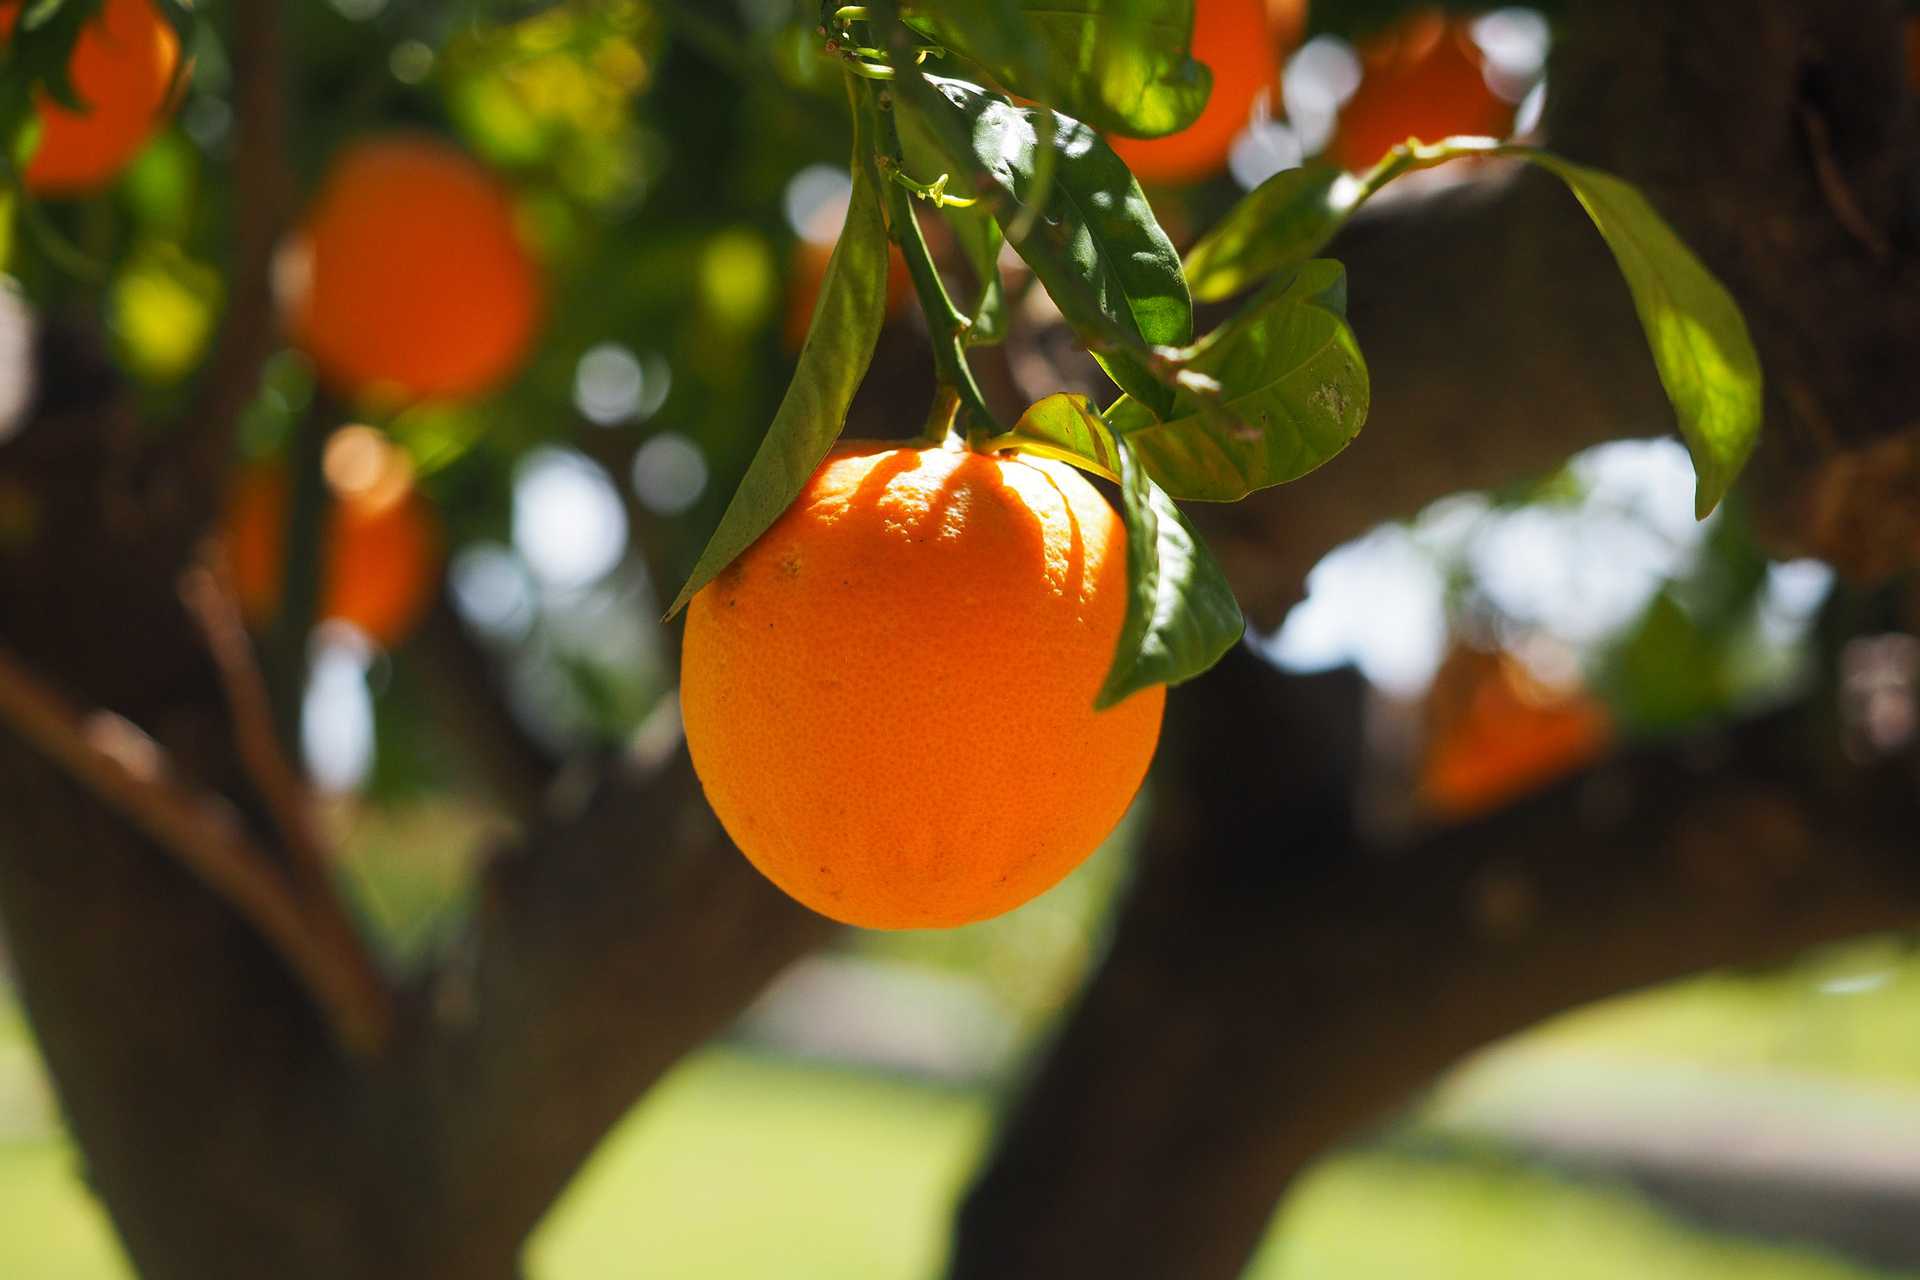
[381, 544]
[1495, 731]
[1423, 77]
[123, 67]
[409, 279]
[1243, 42]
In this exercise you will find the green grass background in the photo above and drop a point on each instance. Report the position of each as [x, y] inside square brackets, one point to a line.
[744, 1165]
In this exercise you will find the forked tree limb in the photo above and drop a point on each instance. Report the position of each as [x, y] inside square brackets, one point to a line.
[129, 773]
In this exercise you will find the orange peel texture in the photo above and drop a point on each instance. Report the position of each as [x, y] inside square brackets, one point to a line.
[889, 697]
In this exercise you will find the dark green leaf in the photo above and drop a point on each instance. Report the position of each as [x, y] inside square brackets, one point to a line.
[1294, 391]
[1096, 245]
[1181, 615]
[1120, 65]
[1699, 338]
[1275, 227]
[846, 323]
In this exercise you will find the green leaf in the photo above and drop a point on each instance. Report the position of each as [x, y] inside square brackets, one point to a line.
[1699, 338]
[1275, 227]
[1121, 65]
[1066, 427]
[846, 323]
[1181, 615]
[1294, 391]
[1096, 245]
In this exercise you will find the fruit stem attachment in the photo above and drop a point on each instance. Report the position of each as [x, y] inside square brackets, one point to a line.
[947, 325]
[940, 417]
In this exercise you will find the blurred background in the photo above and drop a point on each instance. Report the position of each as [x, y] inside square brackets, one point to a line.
[679, 172]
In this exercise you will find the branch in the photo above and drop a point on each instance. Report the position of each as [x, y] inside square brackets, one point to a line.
[263, 188]
[129, 772]
[209, 598]
[1277, 981]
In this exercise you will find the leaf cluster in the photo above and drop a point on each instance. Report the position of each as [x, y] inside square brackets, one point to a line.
[1009, 141]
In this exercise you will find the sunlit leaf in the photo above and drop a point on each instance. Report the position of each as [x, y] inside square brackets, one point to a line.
[1181, 615]
[1699, 339]
[1065, 426]
[1275, 227]
[1120, 65]
[1294, 391]
[1701, 348]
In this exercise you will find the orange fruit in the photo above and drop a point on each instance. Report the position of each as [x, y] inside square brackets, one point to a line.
[1421, 78]
[408, 279]
[889, 697]
[1495, 733]
[381, 550]
[123, 66]
[1239, 43]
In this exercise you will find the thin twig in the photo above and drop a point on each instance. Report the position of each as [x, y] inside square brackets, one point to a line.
[946, 324]
[130, 773]
[206, 590]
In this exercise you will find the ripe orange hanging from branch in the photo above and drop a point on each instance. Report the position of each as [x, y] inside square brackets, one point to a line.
[381, 545]
[1422, 78]
[408, 278]
[1241, 42]
[889, 696]
[123, 68]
